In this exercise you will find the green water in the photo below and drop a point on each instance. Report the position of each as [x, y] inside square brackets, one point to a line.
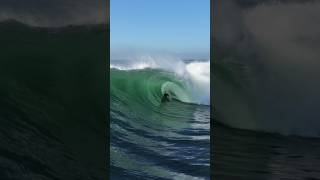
[148, 86]
[154, 140]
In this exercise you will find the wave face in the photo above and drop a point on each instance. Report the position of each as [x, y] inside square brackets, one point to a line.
[52, 102]
[150, 139]
[258, 98]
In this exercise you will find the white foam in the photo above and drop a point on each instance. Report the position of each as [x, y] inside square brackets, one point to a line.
[199, 73]
[140, 65]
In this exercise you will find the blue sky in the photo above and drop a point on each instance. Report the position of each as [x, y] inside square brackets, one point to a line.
[178, 27]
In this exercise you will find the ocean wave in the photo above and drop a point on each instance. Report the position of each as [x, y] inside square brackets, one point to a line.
[250, 97]
[193, 75]
[155, 140]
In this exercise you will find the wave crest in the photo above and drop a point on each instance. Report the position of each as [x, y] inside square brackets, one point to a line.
[194, 75]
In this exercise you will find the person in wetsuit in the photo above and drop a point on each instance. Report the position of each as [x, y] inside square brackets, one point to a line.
[166, 97]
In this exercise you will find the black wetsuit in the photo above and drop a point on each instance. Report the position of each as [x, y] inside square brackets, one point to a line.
[165, 97]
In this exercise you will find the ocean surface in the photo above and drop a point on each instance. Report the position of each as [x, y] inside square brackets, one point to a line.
[250, 155]
[154, 140]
